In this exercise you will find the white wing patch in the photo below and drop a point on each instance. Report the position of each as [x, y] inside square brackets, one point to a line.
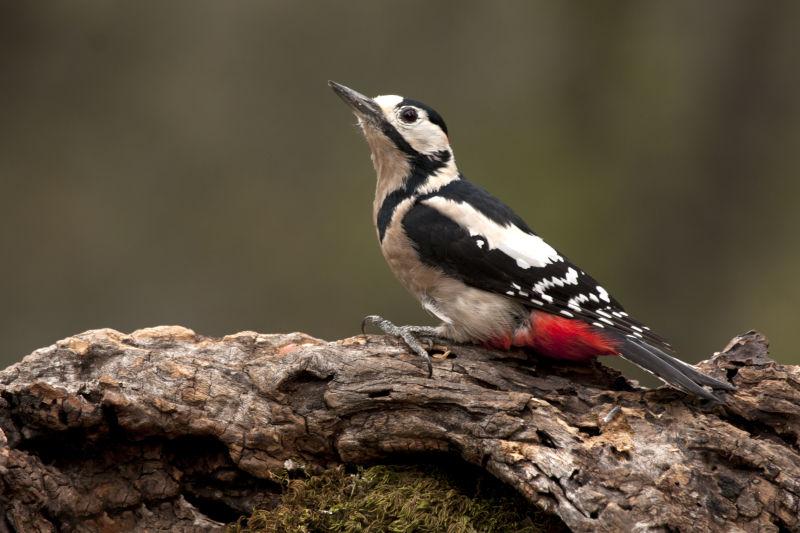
[526, 249]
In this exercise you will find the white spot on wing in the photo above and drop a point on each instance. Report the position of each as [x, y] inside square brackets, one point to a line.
[567, 313]
[603, 294]
[577, 300]
[571, 277]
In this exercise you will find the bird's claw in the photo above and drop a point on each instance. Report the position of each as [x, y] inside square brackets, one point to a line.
[407, 334]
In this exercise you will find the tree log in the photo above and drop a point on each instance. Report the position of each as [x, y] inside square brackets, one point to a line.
[166, 429]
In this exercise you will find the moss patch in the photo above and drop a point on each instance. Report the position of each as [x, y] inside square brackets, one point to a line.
[398, 499]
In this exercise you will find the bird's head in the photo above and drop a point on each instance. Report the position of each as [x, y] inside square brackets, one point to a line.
[398, 129]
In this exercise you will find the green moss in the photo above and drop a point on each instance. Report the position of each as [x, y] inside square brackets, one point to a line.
[398, 499]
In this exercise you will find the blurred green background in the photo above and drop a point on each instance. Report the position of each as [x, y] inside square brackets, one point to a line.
[186, 163]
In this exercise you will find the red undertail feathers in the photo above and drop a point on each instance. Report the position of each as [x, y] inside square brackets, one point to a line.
[559, 338]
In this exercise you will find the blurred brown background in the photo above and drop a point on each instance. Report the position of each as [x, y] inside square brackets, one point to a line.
[185, 162]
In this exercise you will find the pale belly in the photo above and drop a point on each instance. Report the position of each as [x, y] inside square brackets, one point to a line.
[467, 313]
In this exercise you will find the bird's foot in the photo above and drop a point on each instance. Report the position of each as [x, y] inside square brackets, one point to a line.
[409, 336]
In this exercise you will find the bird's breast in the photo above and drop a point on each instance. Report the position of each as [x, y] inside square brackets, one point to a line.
[468, 313]
[402, 257]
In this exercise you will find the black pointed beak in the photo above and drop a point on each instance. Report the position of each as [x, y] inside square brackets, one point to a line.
[363, 106]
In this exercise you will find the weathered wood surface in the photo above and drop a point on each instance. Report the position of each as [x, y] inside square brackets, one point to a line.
[166, 429]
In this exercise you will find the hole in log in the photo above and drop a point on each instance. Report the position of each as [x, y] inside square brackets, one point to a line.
[546, 439]
[379, 393]
[212, 482]
[213, 508]
[199, 468]
[782, 526]
[761, 429]
[438, 352]
[305, 391]
[623, 455]
[589, 431]
[301, 379]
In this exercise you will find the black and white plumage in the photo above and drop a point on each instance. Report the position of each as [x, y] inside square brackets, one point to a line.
[478, 267]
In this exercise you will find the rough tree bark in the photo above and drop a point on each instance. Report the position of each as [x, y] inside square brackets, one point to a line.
[167, 429]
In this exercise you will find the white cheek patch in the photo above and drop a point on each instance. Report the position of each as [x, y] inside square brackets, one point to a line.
[526, 249]
[424, 137]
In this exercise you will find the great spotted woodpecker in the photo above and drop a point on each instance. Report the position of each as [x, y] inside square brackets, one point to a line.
[478, 267]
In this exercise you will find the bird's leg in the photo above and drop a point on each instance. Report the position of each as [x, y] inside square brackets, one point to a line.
[407, 333]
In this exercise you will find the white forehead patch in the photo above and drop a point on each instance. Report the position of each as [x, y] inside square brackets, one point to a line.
[388, 102]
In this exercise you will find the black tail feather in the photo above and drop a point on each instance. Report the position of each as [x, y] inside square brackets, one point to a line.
[670, 370]
[687, 369]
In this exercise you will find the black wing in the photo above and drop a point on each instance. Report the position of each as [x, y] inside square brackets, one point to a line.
[559, 287]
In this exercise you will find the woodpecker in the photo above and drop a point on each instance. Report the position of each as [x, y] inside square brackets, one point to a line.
[478, 267]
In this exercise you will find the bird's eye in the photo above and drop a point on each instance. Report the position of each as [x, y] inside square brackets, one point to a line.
[408, 115]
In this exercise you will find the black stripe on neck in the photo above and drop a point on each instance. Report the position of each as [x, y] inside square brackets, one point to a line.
[422, 168]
